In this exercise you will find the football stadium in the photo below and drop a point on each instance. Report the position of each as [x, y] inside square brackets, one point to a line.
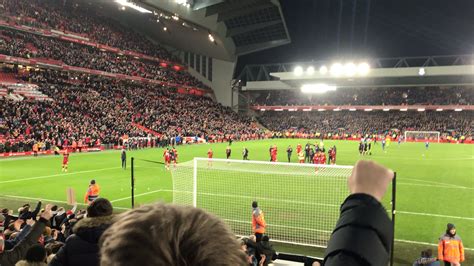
[236, 132]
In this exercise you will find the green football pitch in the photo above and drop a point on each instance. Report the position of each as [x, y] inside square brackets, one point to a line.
[434, 186]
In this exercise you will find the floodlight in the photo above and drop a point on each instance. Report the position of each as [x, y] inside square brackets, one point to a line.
[352, 109]
[306, 109]
[165, 28]
[404, 109]
[310, 70]
[386, 109]
[317, 88]
[126, 3]
[363, 69]
[350, 69]
[336, 110]
[298, 71]
[321, 110]
[262, 110]
[279, 109]
[439, 109]
[211, 38]
[421, 109]
[368, 110]
[336, 69]
[421, 71]
[458, 110]
[323, 70]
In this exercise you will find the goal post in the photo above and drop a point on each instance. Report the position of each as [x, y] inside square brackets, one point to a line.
[300, 201]
[422, 135]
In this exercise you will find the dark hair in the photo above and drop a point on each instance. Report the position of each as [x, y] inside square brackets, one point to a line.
[165, 234]
[93, 181]
[53, 247]
[254, 204]
[36, 253]
[100, 207]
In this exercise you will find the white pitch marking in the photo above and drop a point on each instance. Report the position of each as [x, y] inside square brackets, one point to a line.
[62, 174]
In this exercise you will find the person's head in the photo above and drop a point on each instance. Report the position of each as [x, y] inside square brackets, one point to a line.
[253, 238]
[451, 229]
[426, 253]
[36, 253]
[99, 207]
[254, 204]
[165, 234]
[265, 238]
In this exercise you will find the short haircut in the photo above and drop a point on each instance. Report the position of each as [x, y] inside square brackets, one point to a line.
[166, 234]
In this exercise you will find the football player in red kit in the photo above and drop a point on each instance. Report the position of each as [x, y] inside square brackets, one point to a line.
[65, 161]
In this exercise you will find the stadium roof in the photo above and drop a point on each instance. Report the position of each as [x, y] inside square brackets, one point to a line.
[237, 27]
[390, 72]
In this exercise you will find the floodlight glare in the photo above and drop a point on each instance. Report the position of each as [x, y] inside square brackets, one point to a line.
[421, 71]
[317, 88]
[439, 109]
[298, 71]
[126, 3]
[323, 70]
[363, 69]
[211, 38]
[421, 109]
[350, 69]
[310, 70]
[336, 69]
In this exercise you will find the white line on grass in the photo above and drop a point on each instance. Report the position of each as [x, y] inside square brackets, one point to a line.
[51, 200]
[138, 195]
[62, 174]
[433, 182]
[429, 185]
[424, 243]
[46, 156]
[436, 215]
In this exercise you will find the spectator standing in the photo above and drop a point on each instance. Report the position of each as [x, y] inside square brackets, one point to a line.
[81, 248]
[258, 222]
[450, 247]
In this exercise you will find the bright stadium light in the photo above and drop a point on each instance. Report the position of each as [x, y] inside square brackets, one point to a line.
[363, 69]
[368, 110]
[336, 69]
[279, 109]
[458, 110]
[298, 71]
[420, 109]
[292, 110]
[317, 88]
[336, 110]
[323, 70]
[321, 110]
[310, 70]
[439, 109]
[350, 69]
[352, 109]
[306, 109]
[126, 3]
[211, 38]
[421, 71]
[403, 109]
[263, 110]
[386, 109]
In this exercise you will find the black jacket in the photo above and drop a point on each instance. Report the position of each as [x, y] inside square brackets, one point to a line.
[266, 248]
[362, 235]
[82, 247]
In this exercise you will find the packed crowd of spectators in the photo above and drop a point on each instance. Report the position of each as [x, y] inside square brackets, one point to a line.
[375, 122]
[28, 45]
[78, 17]
[94, 109]
[371, 96]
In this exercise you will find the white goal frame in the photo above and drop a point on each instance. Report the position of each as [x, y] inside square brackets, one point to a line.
[423, 132]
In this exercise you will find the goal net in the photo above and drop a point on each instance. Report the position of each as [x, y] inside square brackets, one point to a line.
[300, 201]
[422, 136]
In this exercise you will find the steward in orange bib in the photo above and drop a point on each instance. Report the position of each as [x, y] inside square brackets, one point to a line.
[450, 248]
[92, 192]
[258, 221]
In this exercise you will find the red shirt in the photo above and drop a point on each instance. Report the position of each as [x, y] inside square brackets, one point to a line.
[65, 158]
[209, 154]
[322, 159]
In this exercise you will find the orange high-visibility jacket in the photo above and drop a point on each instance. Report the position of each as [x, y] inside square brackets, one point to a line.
[92, 193]
[258, 221]
[450, 249]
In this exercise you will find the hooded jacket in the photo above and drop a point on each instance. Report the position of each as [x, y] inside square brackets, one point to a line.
[81, 248]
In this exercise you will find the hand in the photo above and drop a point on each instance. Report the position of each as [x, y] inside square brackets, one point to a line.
[17, 224]
[30, 222]
[47, 214]
[370, 178]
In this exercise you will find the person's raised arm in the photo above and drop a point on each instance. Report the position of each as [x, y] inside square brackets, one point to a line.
[363, 232]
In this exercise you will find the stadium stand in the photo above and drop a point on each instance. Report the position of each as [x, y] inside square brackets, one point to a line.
[90, 108]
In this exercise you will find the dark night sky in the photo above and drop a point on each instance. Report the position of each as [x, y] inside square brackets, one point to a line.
[395, 28]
